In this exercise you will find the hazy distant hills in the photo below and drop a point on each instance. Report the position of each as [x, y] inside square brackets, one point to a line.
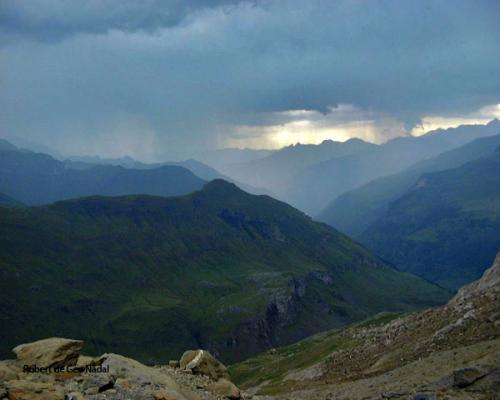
[446, 227]
[7, 201]
[198, 168]
[277, 171]
[224, 159]
[218, 269]
[355, 210]
[7, 146]
[314, 188]
[36, 178]
[311, 176]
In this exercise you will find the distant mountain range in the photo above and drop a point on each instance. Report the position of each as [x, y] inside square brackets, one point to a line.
[354, 211]
[277, 171]
[446, 227]
[7, 146]
[36, 178]
[439, 219]
[224, 159]
[198, 168]
[218, 269]
[312, 176]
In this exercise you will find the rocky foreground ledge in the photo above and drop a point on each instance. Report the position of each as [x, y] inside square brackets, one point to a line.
[54, 369]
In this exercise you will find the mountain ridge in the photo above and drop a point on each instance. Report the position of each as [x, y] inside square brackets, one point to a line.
[353, 211]
[37, 178]
[447, 223]
[219, 268]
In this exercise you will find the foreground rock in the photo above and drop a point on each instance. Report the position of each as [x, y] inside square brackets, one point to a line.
[54, 369]
[225, 388]
[202, 362]
[53, 352]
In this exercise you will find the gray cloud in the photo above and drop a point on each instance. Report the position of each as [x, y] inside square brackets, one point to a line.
[169, 78]
[49, 20]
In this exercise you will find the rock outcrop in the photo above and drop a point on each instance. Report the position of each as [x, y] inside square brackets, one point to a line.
[489, 282]
[53, 352]
[202, 362]
[225, 388]
[54, 369]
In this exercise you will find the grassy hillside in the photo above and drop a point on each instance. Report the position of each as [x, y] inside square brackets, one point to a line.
[447, 228]
[390, 355]
[220, 269]
[272, 367]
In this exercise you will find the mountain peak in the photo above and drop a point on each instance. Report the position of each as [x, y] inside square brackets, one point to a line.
[221, 185]
[494, 122]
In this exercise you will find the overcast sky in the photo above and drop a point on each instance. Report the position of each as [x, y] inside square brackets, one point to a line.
[165, 79]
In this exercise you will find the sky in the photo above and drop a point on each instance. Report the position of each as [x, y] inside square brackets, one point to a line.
[165, 79]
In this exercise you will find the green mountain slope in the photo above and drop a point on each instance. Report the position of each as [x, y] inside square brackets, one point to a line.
[354, 211]
[445, 229]
[217, 269]
[391, 356]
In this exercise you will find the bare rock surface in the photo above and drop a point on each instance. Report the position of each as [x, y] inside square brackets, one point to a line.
[225, 388]
[68, 375]
[52, 352]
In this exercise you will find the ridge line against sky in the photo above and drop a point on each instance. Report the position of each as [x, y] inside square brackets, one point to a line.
[166, 79]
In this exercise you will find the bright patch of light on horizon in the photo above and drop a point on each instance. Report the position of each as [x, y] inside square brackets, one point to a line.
[482, 117]
[342, 123]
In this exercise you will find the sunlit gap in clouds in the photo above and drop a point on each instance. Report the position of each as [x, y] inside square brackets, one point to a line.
[482, 117]
[341, 123]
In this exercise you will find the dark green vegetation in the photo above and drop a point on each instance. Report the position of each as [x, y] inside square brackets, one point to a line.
[36, 178]
[220, 269]
[446, 228]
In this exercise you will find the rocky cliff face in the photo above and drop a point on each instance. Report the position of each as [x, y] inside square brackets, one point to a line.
[285, 310]
[449, 352]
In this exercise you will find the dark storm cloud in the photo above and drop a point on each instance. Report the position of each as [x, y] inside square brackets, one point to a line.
[163, 79]
[48, 20]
